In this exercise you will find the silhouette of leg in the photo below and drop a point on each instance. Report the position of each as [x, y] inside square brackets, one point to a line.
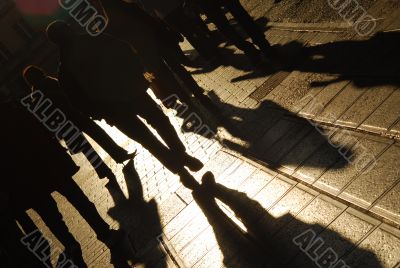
[189, 81]
[149, 111]
[185, 25]
[135, 129]
[160, 122]
[82, 145]
[13, 253]
[168, 84]
[102, 138]
[215, 14]
[87, 209]
[249, 25]
[28, 226]
[54, 220]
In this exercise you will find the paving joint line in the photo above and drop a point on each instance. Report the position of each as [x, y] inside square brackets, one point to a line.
[259, 163]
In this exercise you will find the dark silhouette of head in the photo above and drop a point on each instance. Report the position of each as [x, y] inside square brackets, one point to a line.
[59, 32]
[33, 75]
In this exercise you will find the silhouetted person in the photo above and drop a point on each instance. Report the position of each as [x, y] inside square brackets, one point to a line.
[13, 253]
[267, 237]
[155, 47]
[111, 86]
[140, 216]
[37, 79]
[28, 227]
[37, 165]
[173, 13]
[215, 13]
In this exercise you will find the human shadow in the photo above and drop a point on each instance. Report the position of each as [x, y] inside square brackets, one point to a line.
[31, 187]
[27, 226]
[367, 63]
[228, 57]
[13, 253]
[267, 241]
[269, 132]
[140, 218]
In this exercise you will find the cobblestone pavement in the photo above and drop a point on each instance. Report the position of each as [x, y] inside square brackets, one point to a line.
[294, 184]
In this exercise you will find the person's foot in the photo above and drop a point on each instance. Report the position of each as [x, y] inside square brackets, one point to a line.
[192, 163]
[188, 180]
[121, 158]
[103, 171]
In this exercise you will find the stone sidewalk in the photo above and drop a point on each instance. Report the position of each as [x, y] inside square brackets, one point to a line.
[294, 184]
[335, 127]
[253, 222]
[260, 207]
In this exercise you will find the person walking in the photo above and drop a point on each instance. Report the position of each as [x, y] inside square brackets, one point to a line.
[38, 80]
[111, 86]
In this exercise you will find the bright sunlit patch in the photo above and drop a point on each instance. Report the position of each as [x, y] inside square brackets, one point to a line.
[37, 7]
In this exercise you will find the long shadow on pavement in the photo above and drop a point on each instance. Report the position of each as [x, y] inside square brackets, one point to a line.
[269, 132]
[139, 218]
[269, 241]
[367, 63]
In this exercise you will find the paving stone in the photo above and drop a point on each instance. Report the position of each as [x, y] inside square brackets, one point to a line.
[342, 235]
[220, 163]
[293, 89]
[341, 173]
[257, 181]
[317, 102]
[311, 94]
[369, 186]
[319, 161]
[316, 216]
[199, 247]
[195, 227]
[212, 259]
[364, 106]
[182, 219]
[280, 148]
[302, 151]
[292, 203]
[380, 249]
[340, 104]
[185, 194]
[383, 117]
[273, 135]
[239, 175]
[389, 205]
[273, 191]
[170, 208]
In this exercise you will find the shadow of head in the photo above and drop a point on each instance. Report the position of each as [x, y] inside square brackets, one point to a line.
[258, 237]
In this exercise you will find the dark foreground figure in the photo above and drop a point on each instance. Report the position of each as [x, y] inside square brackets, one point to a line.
[37, 80]
[111, 86]
[37, 165]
